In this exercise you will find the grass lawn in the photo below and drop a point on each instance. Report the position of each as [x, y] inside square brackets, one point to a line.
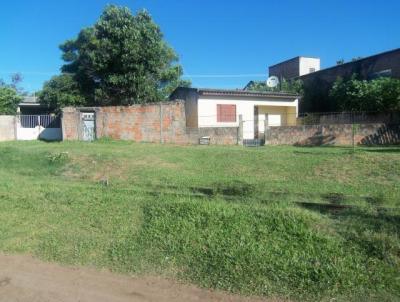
[232, 218]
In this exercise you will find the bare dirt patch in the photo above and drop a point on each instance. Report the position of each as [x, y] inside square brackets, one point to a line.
[23, 278]
[97, 169]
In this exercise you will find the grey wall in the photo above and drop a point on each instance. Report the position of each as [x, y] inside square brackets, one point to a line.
[288, 69]
[190, 97]
[7, 127]
[366, 68]
[218, 136]
[339, 134]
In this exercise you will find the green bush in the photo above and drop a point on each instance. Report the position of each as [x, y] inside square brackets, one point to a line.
[382, 94]
[9, 100]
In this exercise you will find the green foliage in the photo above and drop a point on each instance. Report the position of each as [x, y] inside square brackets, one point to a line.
[273, 250]
[382, 94]
[61, 91]
[58, 158]
[293, 86]
[315, 97]
[10, 95]
[9, 100]
[122, 59]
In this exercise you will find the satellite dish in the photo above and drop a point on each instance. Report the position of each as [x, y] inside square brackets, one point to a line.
[272, 81]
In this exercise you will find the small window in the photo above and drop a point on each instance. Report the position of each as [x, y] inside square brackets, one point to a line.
[311, 70]
[226, 113]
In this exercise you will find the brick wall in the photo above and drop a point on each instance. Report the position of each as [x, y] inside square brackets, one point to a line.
[339, 134]
[144, 123]
[70, 123]
[165, 123]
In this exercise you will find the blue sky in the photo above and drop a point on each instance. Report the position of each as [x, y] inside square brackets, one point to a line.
[219, 42]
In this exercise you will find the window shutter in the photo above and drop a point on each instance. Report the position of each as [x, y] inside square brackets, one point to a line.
[226, 113]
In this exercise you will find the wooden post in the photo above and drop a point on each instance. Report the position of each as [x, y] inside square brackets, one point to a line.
[266, 128]
[240, 130]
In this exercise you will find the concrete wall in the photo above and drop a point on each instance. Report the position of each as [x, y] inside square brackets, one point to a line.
[294, 67]
[189, 95]
[218, 136]
[7, 128]
[306, 63]
[50, 134]
[367, 68]
[288, 69]
[39, 132]
[207, 111]
[11, 129]
[191, 113]
[340, 134]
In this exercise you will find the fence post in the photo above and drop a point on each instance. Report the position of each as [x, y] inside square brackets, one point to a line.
[39, 122]
[16, 127]
[161, 129]
[240, 130]
[266, 128]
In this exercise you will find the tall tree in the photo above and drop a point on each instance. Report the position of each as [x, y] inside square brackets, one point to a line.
[61, 91]
[122, 59]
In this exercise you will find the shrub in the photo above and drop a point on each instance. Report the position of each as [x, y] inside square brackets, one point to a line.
[9, 100]
[382, 94]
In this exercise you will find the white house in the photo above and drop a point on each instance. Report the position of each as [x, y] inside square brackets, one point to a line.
[222, 108]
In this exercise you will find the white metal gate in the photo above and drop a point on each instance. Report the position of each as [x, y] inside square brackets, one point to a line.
[32, 127]
[88, 126]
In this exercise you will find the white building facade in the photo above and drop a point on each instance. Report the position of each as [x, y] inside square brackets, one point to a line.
[223, 108]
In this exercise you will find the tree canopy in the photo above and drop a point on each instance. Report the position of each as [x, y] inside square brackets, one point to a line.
[382, 94]
[9, 100]
[294, 86]
[121, 60]
[60, 91]
[9, 95]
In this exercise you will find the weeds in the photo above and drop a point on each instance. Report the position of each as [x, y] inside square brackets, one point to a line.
[221, 217]
[264, 251]
[58, 158]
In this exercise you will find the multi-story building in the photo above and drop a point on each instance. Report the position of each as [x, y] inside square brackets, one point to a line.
[318, 82]
[295, 67]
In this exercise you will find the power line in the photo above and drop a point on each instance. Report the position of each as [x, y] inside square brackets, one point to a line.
[245, 75]
[239, 75]
[30, 72]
